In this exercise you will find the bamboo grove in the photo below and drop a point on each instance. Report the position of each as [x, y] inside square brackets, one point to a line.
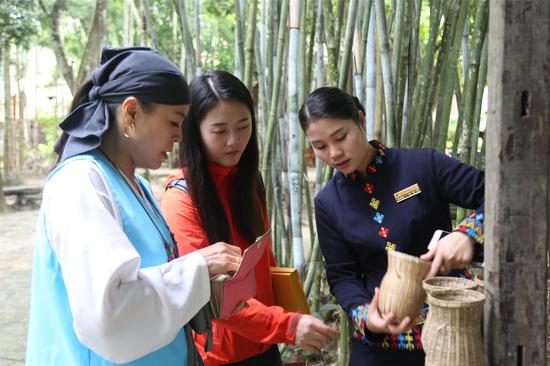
[408, 61]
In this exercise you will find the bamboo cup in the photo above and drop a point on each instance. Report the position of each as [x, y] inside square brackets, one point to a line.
[401, 290]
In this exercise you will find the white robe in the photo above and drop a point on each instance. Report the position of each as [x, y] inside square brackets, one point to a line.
[118, 308]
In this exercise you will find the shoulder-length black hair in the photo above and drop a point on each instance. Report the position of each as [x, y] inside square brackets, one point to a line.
[247, 194]
[329, 102]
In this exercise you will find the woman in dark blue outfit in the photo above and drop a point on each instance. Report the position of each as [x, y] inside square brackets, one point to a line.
[384, 199]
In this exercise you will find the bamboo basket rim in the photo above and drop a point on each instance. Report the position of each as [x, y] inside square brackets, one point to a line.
[460, 298]
[448, 282]
[408, 257]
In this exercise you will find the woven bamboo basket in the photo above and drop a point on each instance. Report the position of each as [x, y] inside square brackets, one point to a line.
[401, 290]
[480, 282]
[447, 283]
[453, 335]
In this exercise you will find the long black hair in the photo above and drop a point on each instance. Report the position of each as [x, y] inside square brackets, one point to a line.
[329, 102]
[247, 194]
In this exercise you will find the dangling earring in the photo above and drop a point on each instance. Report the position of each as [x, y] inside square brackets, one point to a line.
[126, 133]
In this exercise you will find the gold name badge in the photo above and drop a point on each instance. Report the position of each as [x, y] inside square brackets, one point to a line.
[407, 192]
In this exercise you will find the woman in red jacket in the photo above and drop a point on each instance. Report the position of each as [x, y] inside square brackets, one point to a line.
[221, 198]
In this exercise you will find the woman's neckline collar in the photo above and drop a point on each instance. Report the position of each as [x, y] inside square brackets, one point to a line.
[221, 170]
[374, 165]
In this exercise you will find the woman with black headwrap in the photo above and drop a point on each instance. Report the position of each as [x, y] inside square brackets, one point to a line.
[108, 286]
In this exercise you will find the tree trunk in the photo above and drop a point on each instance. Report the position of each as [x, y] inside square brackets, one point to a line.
[8, 124]
[187, 40]
[23, 130]
[3, 206]
[518, 161]
[57, 42]
[96, 39]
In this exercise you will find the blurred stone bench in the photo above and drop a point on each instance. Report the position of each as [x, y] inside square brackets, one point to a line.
[24, 194]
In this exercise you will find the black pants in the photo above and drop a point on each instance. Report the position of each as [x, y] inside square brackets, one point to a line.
[271, 357]
[362, 356]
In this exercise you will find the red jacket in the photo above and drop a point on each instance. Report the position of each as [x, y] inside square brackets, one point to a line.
[255, 328]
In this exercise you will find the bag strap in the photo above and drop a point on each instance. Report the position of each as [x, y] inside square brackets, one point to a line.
[179, 183]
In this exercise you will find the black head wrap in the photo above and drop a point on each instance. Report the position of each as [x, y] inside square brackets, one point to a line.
[140, 72]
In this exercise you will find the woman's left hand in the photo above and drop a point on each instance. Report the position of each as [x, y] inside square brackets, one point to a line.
[455, 250]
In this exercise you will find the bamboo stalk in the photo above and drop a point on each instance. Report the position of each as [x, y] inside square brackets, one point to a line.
[343, 341]
[370, 61]
[470, 85]
[187, 41]
[482, 79]
[447, 87]
[276, 86]
[302, 77]
[346, 50]
[249, 45]
[460, 121]
[379, 95]
[401, 75]
[357, 51]
[269, 32]
[309, 210]
[331, 43]
[400, 25]
[389, 97]
[262, 93]
[320, 52]
[424, 81]
[239, 42]
[309, 62]
[198, 49]
[414, 53]
[294, 137]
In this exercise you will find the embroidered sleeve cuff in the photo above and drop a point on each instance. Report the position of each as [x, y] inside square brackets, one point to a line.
[473, 226]
[359, 318]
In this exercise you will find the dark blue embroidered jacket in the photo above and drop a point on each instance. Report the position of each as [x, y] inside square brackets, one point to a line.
[358, 220]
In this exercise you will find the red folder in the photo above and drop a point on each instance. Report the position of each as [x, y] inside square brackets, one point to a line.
[227, 293]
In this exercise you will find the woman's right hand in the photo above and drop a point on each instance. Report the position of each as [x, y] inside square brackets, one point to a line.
[384, 323]
[221, 257]
[312, 333]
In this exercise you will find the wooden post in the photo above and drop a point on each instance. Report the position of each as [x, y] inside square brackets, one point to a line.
[516, 197]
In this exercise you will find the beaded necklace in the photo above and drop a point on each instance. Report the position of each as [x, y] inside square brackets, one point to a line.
[169, 245]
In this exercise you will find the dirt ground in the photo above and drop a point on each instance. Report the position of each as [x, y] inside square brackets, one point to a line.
[17, 230]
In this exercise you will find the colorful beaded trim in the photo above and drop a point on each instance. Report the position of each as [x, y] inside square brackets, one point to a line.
[408, 341]
[473, 226]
